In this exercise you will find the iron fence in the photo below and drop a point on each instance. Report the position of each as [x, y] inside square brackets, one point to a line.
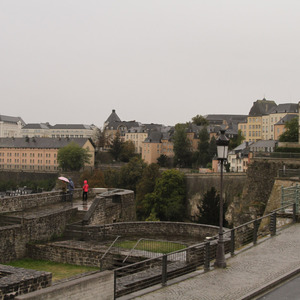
[289, 173]
[290, 195]
[162, 268]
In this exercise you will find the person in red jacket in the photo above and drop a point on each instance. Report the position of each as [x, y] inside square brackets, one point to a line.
[85, 189]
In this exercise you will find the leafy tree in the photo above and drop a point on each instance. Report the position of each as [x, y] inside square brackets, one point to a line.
[131, 173]
[116, 146]
[167, 202]
[127, 151]
[112, 178]
[100, 139]
[162, 160]
[210, 208]
[203, 147]
[236, 141]
[181, 146]
[145, 186]
[200, 121]
[96, 179]
[291, 133]
[72, 157]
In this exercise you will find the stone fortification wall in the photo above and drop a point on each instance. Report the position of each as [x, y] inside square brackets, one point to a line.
[199, 184]
[23, 202]
[43, 227]
[17, 281]
[98, 286]
[171, 231]
[112, 206]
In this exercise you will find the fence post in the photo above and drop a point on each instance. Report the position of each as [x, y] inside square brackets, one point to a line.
[255, 232]
[207, 256]
[294, 213]
[164, 269]
[282, 198]
[273, 224]
[297, 197]
[115, 285]
[232, 242]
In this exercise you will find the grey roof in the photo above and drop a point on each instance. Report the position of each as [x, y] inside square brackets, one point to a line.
[285, 108]
[113, 117]
[115, 125]
[9, 119]
[39, 143]
[287, 118]
[219, 118]
[262, 107]
[264, 143]
[71, 126]
[36, 126]
[154, 136]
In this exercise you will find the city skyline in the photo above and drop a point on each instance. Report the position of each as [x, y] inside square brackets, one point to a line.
[156, 62]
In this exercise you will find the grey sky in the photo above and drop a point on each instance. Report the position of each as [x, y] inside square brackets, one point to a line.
[161, 61]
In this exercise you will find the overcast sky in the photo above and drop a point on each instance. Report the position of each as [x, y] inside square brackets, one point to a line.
[160, 61]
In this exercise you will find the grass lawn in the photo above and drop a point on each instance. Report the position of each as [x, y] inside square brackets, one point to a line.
[59, 271]
[152, 246]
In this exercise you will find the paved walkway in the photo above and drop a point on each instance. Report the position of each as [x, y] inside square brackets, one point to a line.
[247, 273]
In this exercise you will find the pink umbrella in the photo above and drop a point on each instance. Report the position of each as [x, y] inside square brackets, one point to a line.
[63, 179]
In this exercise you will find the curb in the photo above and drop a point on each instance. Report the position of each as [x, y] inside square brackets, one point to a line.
[260, 291]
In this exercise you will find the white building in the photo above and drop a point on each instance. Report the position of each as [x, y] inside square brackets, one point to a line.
[10, 126]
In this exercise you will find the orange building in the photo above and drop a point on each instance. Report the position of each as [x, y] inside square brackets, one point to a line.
[37, 154]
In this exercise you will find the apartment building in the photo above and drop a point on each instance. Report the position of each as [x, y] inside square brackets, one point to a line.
[59, 130]
[37, 154]
[279, 127]
[10, 126]
[137, 136]
[273, 117]
[252, 128]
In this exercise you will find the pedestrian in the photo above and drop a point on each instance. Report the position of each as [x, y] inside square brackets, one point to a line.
[71, 189]
[85, 189]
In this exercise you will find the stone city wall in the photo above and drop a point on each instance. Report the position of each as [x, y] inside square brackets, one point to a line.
[98, 286]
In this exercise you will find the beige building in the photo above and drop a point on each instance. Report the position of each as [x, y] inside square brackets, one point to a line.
[137, 136]
[59, 130]
[252, 129]
[37, 154]
[10, 126]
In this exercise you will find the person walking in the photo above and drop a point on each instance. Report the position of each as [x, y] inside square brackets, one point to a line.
[71, 189]
[85, 189]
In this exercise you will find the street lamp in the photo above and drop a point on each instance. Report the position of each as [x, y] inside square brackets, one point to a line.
[222, 149]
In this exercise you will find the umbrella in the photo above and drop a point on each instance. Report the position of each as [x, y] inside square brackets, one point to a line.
[63, 179]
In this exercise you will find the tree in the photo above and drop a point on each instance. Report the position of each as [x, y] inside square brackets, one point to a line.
[72, 157]
[100, 139]
[167, 202]
[210, 208]
[145, 186]
[236, 141]
[116, 146]
[200, 121]
[181, 146]
[203, 147]
[131, 173]
[127, 151]
[291, 133]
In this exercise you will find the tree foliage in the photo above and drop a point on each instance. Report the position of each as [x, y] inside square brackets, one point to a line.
[181, 146]
[200, 121]
[209, 211]
[95, 178]
[167, 202]
[236, 140]
[291, 133]
[146, 186]
[116, 147]
[131, 173]
[127, 151]
[72, 157]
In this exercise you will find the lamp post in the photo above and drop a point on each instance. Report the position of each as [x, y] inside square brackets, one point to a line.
[222, 149]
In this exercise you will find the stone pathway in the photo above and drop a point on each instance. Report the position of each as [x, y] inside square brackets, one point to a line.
[249, 271]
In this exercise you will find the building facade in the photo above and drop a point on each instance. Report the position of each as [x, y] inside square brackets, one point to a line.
[37, 154]
[10, 126]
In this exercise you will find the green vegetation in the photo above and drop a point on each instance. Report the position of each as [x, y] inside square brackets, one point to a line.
[59, 271]
[152, 246]
[34, 185]
[291, 131]
[72, 157]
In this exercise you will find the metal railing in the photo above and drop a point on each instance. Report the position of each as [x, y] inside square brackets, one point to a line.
[107, 251]
[289, 173]
[276, 155]
[159, 270]
[290, 195]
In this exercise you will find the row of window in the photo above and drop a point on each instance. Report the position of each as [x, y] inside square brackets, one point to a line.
[26, 167]
[17, 154]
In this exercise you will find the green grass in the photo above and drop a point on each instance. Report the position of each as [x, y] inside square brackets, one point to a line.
[152, 246]
[59, 271]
